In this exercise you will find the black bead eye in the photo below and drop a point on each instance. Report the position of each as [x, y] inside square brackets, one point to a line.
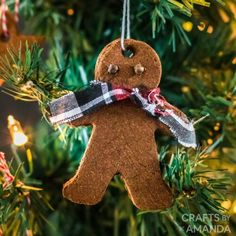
[113, 69]
[139, 69]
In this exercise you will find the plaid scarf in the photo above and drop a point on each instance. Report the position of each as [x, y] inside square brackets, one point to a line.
[75, 105]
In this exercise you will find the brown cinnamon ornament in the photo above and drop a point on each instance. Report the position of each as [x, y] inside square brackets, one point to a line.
[122, 140]
[15, 40]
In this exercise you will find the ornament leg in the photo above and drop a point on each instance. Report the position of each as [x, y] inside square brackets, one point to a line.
[90, 183]
[146, 187]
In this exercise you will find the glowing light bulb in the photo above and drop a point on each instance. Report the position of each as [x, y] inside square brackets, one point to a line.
[234, 207]
[1, 82]
[70, 12]
[201, 26]
[11, 120]
[226, 204]
[209, 141]
[19, 139]
[187, 26]
[17, 134]
[224, 16]
[210, 29]
[234, 61]
[185, 89]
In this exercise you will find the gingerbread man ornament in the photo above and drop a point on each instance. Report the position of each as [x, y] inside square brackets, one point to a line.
[15, 41]
[123, 137]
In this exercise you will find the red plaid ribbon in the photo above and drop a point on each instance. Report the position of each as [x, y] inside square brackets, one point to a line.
[75, 105]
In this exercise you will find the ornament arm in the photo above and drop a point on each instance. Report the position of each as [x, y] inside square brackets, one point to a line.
[86, 120]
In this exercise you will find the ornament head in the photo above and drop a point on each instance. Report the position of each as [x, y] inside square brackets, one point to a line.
[138, 66]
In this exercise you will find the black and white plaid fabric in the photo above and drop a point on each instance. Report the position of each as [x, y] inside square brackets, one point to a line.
[75, 105]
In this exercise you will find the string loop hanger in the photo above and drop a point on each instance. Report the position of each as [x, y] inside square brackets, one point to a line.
[125, 28]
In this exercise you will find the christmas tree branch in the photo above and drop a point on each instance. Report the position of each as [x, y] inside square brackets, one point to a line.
[199, 192]
[28, 78]
[159, 17]
[22, 207]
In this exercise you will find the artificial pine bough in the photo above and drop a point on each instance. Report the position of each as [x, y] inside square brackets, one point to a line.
[204, 73]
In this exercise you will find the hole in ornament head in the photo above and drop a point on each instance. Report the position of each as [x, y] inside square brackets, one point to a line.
[128, 52]
[4, 37]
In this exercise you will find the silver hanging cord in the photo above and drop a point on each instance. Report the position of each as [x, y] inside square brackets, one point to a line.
[125, 28]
